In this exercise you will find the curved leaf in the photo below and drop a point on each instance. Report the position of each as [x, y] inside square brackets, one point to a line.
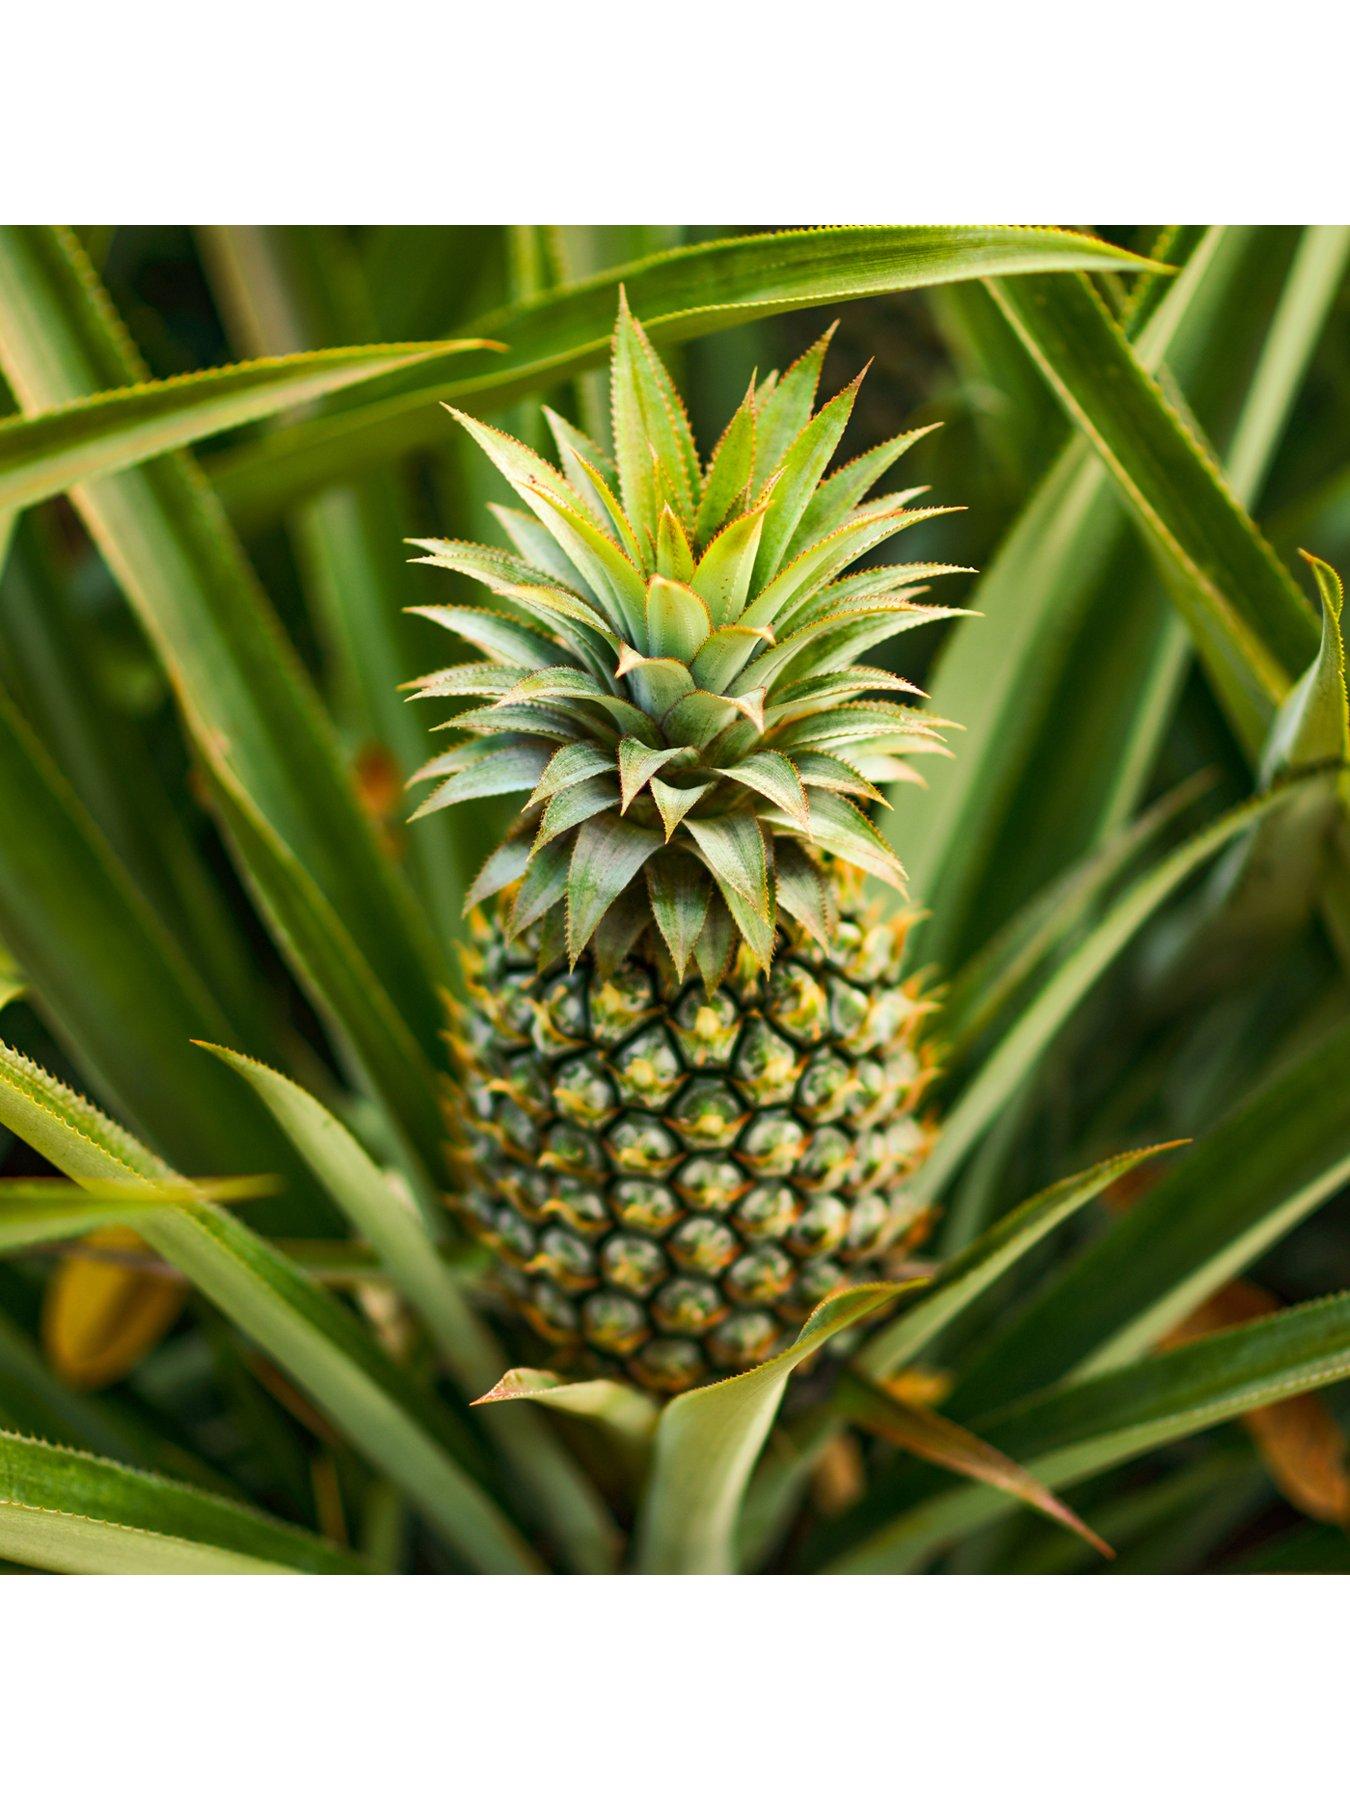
[679, 891]
[1254, 628]
[707, 1442]
[934, 1439]
[733, 849]
[305, 1330]
[989, 1257]
[1243, 1186]
[341, 984]
[623, 1416]
[44, 1211]
[47, 453]
[1063, 1434]
[247, 697]
[282, 290]
[1056, 751]
[678, 294]
[1013, 1058]
[607, 854]
[562, 1499]
[117, 991]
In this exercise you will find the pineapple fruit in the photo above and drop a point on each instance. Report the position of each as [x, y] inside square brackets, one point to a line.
[688, 1072]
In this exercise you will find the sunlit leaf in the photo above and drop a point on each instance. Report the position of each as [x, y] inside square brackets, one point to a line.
[53, 451]
[677, 294]
[1254, 628]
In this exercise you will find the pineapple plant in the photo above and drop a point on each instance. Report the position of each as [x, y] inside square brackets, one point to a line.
[689, 1072]
[738, 1271]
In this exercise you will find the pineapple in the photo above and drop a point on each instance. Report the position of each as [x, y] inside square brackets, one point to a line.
[688, 1072]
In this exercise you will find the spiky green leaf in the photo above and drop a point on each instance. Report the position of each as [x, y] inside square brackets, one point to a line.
[607, 854]
[770, 773]
[79, 1515]
[680, 891]
[678, 620]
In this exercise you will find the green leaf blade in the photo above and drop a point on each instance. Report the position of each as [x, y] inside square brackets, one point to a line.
[1256, 1174]
[607, 854]
[74, 1513]
[307, 1332]
[982, 1263]
[241, 686]
[1064, 1434]
[47, 453]
[678, 294]
[707, 1442]
[377, 1212]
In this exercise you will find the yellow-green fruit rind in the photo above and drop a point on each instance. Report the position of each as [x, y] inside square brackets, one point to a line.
[673, 1179]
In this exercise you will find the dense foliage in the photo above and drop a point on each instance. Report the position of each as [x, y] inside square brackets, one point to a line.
[239, 1327]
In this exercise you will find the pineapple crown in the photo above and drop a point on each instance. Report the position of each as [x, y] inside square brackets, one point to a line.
[671, 670]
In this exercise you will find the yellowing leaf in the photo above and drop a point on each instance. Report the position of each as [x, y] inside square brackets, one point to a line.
[935, 1439]
[1299, 1440]
[99, 1319]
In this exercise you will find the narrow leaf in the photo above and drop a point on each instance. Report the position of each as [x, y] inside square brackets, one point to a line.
[798, 477]
[573, 763]
[679, 294]
[46, 1211]
[679, 892]
[835, 498]
[637, 764]
[544, 886]
[838, 827]
[729, 470]
[574, 806]
[673, 802]
[1249, 1181]
[513, 769]
[305, 1330]
[623, 1417]
[1255, 630]
[933, 1439]
[678, 620]
[982, 1263]
[725, 569]
[383, 1216]
[1012, 1060]
[606, 856]
[52, 451]
[232, 667]
[340, 982]
[79, 1515]
[804, 893]
[770, 773]
[722, 658]
[505, 640]
[784, 414]
[1064, 1434]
